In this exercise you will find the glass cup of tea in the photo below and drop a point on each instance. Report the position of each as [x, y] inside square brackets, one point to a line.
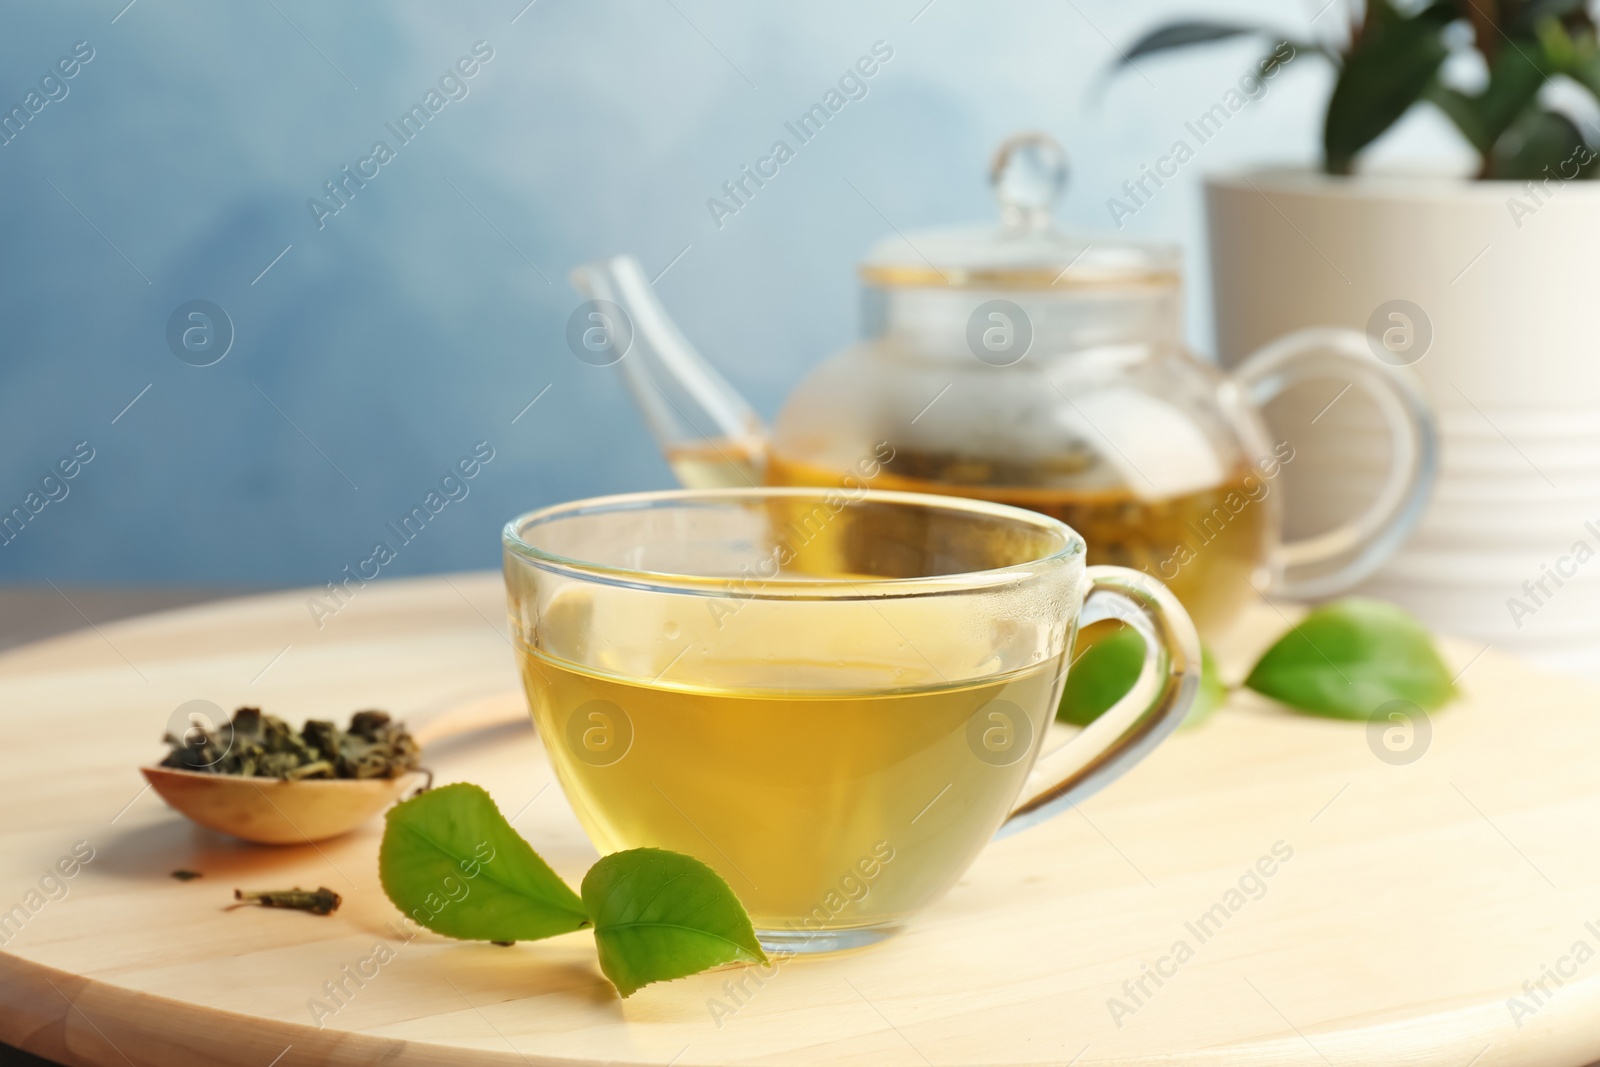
[834, 698]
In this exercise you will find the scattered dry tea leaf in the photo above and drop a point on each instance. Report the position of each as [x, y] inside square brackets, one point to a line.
[323, 901]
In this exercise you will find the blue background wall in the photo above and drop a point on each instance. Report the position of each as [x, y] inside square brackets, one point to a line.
[426, 314]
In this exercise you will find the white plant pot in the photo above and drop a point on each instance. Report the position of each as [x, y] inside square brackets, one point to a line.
[1508, 277]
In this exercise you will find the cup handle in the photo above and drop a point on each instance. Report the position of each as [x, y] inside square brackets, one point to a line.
[1134, 725]
[1367, 540]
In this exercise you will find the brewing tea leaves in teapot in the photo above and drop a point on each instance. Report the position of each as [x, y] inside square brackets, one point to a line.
[1019, 363]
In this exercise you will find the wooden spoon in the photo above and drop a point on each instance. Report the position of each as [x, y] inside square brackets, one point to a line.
[270, 811]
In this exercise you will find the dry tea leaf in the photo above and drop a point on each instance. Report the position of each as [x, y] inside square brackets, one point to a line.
[323, 901]
[264, 746]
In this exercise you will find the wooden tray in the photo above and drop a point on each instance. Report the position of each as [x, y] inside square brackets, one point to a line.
[1419, 897]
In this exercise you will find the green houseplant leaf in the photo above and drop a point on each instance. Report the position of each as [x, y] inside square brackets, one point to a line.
[452, 863]
[1348, 658]
[1183, 34]
[1519, 70]
[1393, 60]
[1541, 144]
[1108, 668]
[1585, 70]
[661, 915]
[1515, 77]
[1525, 16]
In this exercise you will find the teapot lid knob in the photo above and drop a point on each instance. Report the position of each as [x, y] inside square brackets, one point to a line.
[1028, 173]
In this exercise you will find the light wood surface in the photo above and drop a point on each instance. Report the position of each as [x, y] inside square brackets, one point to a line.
[1419, 897]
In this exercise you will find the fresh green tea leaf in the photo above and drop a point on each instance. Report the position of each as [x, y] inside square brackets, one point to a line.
[1108, 668]
[451, 862]
[660, 915]
[1101, 675]
[1349, 658]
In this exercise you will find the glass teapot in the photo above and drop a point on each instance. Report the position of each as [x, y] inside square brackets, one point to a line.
[1021, 365]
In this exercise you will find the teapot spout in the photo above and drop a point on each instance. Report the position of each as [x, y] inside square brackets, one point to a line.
[708, 432]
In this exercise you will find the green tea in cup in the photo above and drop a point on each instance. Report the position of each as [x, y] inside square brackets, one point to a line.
[834, 700]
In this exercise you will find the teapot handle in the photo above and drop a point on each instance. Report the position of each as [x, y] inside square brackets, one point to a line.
[1311, 566]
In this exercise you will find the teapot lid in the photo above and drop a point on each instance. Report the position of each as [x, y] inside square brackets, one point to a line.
[1025, 251]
